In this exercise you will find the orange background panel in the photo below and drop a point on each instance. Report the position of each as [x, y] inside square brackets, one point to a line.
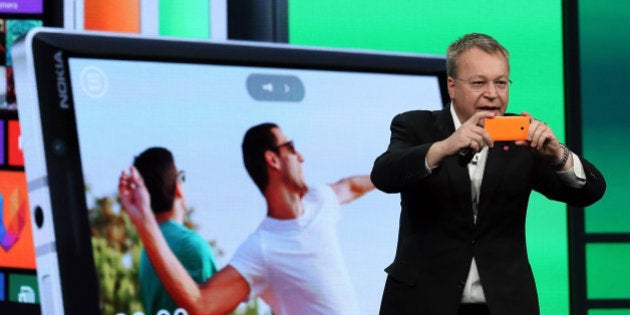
[112, 15]
[22, 253]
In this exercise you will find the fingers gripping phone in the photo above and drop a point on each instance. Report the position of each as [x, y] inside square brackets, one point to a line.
[507, 128]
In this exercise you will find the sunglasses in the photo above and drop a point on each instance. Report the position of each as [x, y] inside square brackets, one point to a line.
[289, 145]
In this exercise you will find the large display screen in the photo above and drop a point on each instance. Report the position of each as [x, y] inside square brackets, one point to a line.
[338, 121]
[19, 292]
[18, 282]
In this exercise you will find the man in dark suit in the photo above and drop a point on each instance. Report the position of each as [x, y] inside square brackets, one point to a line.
[461, 244]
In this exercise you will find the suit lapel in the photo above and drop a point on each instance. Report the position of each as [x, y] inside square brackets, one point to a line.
[457, 174]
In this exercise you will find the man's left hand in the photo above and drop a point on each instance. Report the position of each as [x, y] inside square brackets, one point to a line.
[542, 139]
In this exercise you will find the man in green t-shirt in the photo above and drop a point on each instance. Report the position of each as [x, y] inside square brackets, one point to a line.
[165, 185]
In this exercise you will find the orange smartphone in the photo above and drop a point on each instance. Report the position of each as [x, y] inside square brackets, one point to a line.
[507, 128]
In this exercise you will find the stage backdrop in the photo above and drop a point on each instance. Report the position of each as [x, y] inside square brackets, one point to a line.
[604, 50]
[532, 32]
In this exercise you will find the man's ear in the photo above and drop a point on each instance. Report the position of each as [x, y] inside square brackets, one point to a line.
[450, 84]
[272, 159]
[179, 189]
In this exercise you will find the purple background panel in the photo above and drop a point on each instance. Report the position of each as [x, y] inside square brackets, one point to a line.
[22, 6]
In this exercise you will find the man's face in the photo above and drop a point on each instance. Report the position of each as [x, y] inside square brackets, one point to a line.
[179, 194]
[481, 83]
[291, 162]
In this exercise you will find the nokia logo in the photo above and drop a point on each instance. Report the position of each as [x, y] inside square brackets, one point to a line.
[62, 85]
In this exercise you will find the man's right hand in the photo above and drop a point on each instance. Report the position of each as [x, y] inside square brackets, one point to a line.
[470, 135]
[135, 197]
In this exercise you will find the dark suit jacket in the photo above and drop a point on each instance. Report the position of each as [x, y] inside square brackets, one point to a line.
[437, 237]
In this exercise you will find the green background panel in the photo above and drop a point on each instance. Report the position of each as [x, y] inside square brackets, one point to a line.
[609, 312]
[607, 272]
[189, 18]
[604, 49]
[530, 30]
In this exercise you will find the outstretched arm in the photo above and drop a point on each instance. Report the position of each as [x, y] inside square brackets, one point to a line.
[218, 295]
[351, 188]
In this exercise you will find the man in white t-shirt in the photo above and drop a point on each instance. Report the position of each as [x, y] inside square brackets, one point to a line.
[292, 261]
[295, 265]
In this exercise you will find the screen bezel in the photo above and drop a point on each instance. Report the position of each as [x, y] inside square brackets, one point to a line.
[60, 140]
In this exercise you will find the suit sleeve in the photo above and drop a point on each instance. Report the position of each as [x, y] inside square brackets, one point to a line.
[403, 163]
[592, 191]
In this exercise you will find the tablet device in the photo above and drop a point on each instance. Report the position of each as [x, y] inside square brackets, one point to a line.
[90, 102]
[507, 128]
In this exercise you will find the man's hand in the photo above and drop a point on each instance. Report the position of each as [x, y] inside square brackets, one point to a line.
[470, 135]
[543, 140]
[135, 197]
[351, 188]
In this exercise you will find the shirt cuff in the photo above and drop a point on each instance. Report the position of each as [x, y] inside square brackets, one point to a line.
[427, 167]
[574, 176]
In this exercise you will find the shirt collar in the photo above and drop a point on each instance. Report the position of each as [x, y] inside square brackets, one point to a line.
[456, 121]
